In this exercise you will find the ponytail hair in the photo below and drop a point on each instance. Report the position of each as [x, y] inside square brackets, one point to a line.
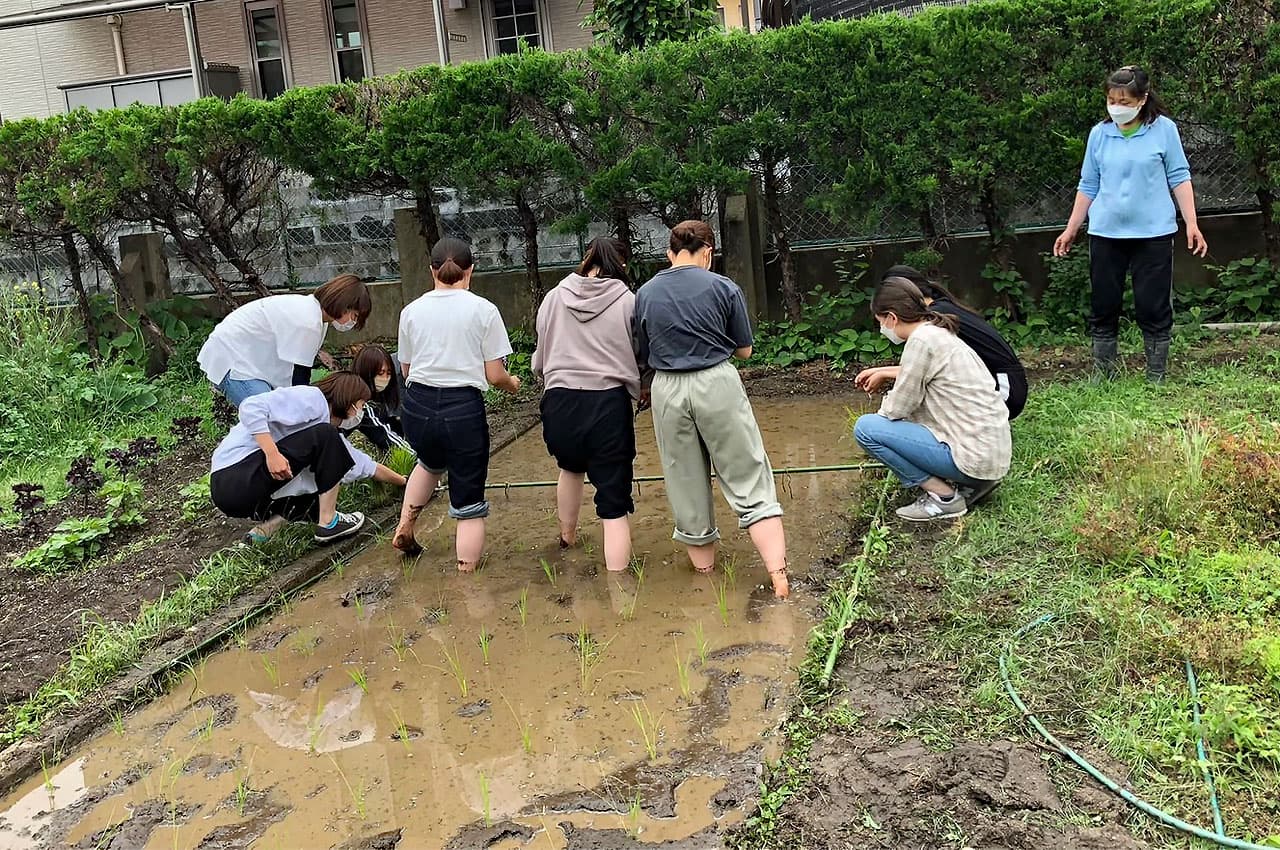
[608, 256]
[928, 288]
[450, 260]
[692, 235]
[902, 298]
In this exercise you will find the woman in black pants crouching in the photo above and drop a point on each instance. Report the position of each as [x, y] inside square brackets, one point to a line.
[285, 459]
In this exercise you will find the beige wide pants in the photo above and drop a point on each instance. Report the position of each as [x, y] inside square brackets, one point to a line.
[703, 421]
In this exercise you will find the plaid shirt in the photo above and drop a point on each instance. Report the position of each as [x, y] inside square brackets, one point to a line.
[944, 386]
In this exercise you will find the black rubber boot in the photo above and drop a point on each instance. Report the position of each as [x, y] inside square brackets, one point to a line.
[1157, 357]
[1105, 351]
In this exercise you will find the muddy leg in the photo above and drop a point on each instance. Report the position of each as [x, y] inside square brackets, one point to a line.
[569, 505]
[617, 544]
[703, 557]
[470, 544]
[420, 489]
[771, 541]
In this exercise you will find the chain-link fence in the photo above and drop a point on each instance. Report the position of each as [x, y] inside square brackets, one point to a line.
[1221, 182]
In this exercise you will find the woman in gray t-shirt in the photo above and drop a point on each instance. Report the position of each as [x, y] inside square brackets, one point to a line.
[688, 323]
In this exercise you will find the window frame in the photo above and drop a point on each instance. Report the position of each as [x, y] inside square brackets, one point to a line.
[489, 20]
[366, 53]
[277, 6]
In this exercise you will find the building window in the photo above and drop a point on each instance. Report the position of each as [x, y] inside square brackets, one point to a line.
[724, 23]
[515, 21]
[350, 46]
[269, 47]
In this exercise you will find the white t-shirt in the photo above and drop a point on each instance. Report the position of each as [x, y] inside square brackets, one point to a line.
[264, 340]
[447, 335]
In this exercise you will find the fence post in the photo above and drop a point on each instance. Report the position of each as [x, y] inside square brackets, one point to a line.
[144, 269]
[743, 250]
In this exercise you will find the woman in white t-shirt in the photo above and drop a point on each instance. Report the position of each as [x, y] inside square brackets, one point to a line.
[273, 342]
[452, 345]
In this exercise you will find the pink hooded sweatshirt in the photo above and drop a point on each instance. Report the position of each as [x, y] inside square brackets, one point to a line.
[584, 336]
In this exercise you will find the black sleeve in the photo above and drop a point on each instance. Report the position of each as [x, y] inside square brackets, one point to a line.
[374, 433]
[301, 375]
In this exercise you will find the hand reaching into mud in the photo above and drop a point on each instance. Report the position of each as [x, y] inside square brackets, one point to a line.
[873, 380]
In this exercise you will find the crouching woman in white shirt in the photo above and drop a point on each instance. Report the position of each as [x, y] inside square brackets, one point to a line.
[943, 427]
[285, 460]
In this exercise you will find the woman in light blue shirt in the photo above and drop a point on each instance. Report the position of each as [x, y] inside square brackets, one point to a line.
[1133, 163]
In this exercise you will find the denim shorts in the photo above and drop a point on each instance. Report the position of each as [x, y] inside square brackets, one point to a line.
[449, 431]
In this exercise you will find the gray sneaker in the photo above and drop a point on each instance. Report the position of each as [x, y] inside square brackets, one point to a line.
[344, 525]
[974, 495]
[929, 507]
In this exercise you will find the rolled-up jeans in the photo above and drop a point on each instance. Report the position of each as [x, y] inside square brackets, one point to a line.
[236, 391]
[909, 449]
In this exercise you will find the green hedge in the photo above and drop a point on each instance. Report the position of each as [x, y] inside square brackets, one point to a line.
[989, 102]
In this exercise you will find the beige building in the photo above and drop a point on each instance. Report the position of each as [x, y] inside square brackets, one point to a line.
[261, 47]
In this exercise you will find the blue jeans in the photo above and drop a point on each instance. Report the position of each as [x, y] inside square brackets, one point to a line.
[237, 391]
[910, 450]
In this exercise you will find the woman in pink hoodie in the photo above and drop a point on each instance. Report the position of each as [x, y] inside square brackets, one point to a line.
[586, 361]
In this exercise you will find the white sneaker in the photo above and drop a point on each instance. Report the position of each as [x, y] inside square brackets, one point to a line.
[929, 507]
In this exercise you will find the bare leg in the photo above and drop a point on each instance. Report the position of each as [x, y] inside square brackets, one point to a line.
[569, 505]
[771, 542]
[617, 544]
[938, 487]
[703, 557]
[270, 526]
[328, 505]
[470, 544]
[420, 489]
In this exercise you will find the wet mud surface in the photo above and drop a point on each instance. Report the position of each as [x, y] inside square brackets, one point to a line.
[541, 702]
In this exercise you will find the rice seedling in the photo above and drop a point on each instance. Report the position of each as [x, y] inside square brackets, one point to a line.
[243, 788]
[271, 669]
[359, 605]
[402, 731]
[49, 787]
[408, 566]
[485, 639]
[650, 728]
[357, 793]
[729, 564]
[700, 638]
[117, 722]
[399, 640]
[206, 729]
[455, 669]
[682, 671]
[526, 729]
[637, 566]
[721, 589]
[339, 568]
[522, 605]
[484, 799]
[314, 727]
[360, 678]
[589, 652]
[549, 570]
[633, 817]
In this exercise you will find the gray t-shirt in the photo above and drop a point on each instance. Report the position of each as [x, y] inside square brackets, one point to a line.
[687, 319]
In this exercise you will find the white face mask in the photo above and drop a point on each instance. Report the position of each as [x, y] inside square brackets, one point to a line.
[1123, 114]
[344, 326]
[891, 335]
[352, 421]
[380, 383]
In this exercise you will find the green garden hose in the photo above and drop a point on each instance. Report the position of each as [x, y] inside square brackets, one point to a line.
[641, 479]
[1110, 784]
[1200, 753]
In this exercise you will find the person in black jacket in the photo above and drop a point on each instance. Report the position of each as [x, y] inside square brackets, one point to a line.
[381, 424]
[976, 332]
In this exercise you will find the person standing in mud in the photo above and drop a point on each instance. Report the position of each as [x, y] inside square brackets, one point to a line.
[688, 324]
[286, 458]
[273, 342]
[943, 426]
[588, 366]
[974, 331]
[1133, 163]
[452, 345]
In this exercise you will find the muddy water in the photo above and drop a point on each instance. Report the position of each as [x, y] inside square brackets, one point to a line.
[542, 702]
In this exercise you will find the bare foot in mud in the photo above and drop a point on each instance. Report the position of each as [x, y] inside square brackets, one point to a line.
[467, 566]
[781, 587]
[405, 543]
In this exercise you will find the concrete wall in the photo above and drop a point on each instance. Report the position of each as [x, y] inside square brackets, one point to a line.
[1229, 236]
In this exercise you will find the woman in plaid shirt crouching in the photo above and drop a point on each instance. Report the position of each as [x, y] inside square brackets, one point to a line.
[943, 427]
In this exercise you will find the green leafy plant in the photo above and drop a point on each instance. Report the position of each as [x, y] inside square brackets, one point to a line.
[196, 501]
[629, 24]
[1247, 290]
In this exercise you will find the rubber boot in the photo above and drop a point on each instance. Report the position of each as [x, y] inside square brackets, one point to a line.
[1157, 357]
[1105, 351]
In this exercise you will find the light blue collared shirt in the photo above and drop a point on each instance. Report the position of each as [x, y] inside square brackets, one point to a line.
[1130, 180]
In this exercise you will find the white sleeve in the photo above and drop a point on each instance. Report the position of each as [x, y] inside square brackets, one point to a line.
[404, 342]
[285, 407]
[298, 341]
[496, 344]
[365, 466]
